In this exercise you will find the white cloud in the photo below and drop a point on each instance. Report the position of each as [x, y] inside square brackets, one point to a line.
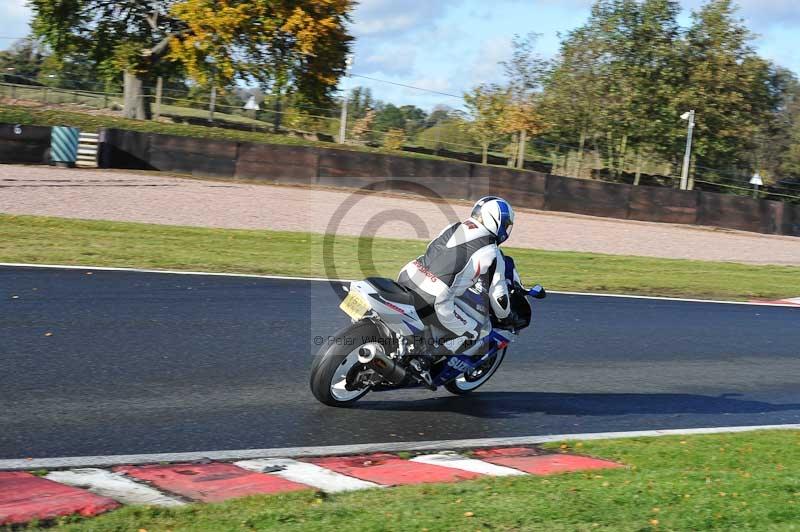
[16, 16]
[15, 8]
[392, 59]
[384, 17]
[486, 66]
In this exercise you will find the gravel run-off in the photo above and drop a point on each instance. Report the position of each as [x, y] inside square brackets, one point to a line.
[161, 199]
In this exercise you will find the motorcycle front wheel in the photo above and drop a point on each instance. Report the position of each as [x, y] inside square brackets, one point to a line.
[464, 384]
[335, 360]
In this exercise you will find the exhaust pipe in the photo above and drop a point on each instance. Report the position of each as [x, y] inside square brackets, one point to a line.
[376, 359]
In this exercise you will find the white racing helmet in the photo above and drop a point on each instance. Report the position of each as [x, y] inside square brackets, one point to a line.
[496, 215]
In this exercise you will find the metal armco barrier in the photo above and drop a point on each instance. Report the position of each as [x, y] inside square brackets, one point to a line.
[64, 148]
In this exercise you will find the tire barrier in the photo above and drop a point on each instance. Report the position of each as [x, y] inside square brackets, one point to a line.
[64, 147]
[24, 144]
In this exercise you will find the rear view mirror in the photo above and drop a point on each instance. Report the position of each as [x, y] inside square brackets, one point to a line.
[538, 292]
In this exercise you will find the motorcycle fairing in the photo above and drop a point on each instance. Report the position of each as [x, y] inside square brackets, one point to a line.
[401, 318]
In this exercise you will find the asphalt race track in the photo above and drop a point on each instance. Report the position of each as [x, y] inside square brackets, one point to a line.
[144, 363]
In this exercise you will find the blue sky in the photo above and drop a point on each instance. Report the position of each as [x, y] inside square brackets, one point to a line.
[452, 45]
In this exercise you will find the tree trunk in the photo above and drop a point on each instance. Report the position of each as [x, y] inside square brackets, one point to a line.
[135, 103]
[159, 90]
[581, 145]
[277, 115]
[623, 148]
[513, 150]
[610, 162]
[638, 176]
[523, 138]
[485, 157]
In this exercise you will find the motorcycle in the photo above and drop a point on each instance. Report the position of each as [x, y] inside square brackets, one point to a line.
[387, 345]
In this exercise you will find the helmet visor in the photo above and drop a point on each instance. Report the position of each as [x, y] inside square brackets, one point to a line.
[504, 231]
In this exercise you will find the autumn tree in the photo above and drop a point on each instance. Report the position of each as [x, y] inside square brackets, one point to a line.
[522, 116]
[486, 106]
[362, 127]
[394, 139]
[297, 44]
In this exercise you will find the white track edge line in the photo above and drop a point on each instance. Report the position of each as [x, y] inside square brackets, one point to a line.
[322, 279]
[340, 450]
[170, 272]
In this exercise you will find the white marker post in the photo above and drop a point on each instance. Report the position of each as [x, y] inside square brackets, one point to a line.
[343, 118]
[687, 157]
[756, 181]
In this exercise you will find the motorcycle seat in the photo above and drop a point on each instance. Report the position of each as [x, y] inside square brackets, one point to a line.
[392, 291]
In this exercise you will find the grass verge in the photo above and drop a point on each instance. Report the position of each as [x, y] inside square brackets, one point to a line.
[745, 481]
[45, 240]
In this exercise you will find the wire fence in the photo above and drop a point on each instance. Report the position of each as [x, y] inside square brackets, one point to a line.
[323, 124]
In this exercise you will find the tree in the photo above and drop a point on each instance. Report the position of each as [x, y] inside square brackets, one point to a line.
[522, 117]
[389, 117]
[132, 37]
[285, 45]
[22, 62]
[362, 127]
[394, 139]
[440, 113]
[361, 102]
[300, 44]
[773, 153]
[790, 157]
[728, 85]
[615, 80]
[526, 69]
[486, 106]
[414, 119]
[573, 92]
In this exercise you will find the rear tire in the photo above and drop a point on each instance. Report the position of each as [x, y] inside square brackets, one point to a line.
[335, 359]
[463, 385]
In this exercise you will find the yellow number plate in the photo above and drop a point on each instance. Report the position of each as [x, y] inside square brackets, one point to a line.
[354, 305]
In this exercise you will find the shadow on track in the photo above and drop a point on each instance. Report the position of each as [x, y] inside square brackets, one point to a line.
[514, 404]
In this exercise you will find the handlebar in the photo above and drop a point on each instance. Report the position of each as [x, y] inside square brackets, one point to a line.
[537, 292]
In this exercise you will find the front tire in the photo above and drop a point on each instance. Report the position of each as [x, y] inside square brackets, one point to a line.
[334, 361]
[464, 384]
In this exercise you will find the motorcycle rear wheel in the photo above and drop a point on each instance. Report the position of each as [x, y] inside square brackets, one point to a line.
[464, 384]
[335, 360]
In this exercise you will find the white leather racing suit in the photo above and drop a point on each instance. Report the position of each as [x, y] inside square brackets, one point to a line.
[453, 262]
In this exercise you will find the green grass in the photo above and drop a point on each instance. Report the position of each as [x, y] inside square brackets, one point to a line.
[13, 114]
[46, 240]
[715, 482]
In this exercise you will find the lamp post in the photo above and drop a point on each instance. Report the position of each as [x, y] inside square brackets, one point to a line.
[343, 118]
[687, 157]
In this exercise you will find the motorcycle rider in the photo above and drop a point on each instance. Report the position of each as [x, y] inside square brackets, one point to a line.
[456, 260]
